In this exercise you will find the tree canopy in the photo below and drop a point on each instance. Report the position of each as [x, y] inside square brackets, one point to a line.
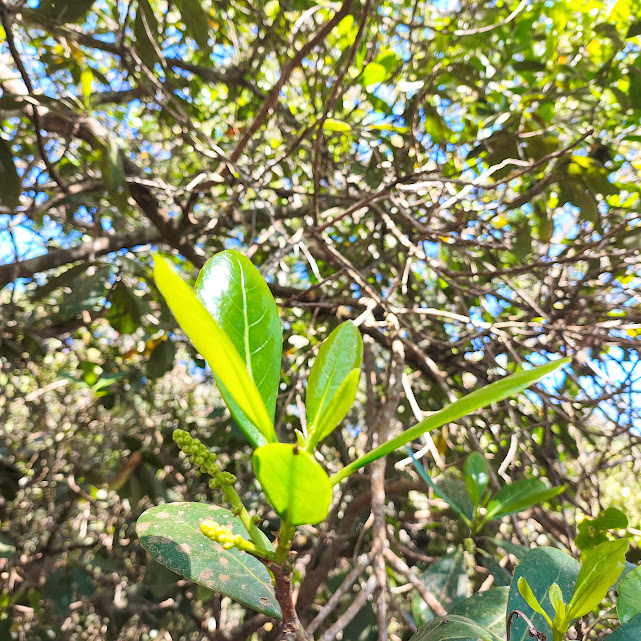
[461, 179]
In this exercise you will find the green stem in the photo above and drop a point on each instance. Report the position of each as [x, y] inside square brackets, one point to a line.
[285, 537]
[241, 511]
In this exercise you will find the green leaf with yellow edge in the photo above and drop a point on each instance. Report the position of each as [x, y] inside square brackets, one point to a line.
[216, 348]
[239, 300]
[296, 486]
[492, 393]
[171, 534]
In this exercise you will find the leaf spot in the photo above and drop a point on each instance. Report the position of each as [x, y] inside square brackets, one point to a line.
[224, 577]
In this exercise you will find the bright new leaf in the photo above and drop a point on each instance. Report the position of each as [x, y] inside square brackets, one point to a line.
[217, 349]
[238, 298]
[297, 487]
[492, 393]
[333, 381]
[519, 496]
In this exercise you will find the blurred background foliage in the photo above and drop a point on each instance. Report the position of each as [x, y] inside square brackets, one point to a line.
[471, 169]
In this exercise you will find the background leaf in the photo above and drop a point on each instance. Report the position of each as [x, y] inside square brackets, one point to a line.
[486, 609]
[629, 600]
[476, 473]
[453, 627]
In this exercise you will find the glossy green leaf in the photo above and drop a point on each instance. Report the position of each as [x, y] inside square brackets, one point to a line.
[486, 609]
[541, 567]
[239, 300]
[531, 600]
[10, 185]
[629, 599]
[373, 74]
[340, 355]
[297, 487]
[341, 403]
[519, 496]
[217, 349]
[448, 582]
[492, 393]
[125, 312]
[476, 473]
[629, 631]
[601, 568]
[453, 627]
[171, 534]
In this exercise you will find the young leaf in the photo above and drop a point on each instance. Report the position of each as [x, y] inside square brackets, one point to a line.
[171, 534]
[599, 571]
[342, 401]
[476, 472]
[592, 532]
[542, 567]
[530, 599]
[339, 356]
[217, 349]
[629, 599]
[519, 496]
[238, 298]
[454, 627]
[293, 482]
[556, 599]
[493, 393]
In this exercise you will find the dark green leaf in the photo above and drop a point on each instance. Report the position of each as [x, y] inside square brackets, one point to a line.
[629, 600]
[453, 627]
[486, 609]
[125, 311]
[541, 567]
[197, 21]
[161, 360]
[297, 487]
[171, 534]
[630, 631]
[10, 184]
[238, 299]
[146, 32]
[447, 580]
[634, 30]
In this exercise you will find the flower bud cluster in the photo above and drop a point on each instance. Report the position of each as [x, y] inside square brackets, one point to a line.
[221, 534]
[201, 457]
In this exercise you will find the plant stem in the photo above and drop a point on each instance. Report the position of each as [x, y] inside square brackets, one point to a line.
[285, 537]
[239, 509]
[292, 628]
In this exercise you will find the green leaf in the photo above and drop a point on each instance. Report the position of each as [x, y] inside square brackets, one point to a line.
[531, 600]
[64, 11]
[197, 21]
[161, 359]
[447, 580]
[112, 166]
[493, 393]
[486, 609]
[125, 311]
[518, 496]
[373, 74]
[592, 532]
[476, 472]
[216, 348]
[629, 599]
[294, 483]
[172, 536]
[634, 30]
[519, 551]
[338, 126]
[86, 83]
[601, 568]
[556, 599]
[10, 184]
[629, 631]
[146, 32]
[240, 302]
[542, 567]
[333, 381]
[453, 627]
